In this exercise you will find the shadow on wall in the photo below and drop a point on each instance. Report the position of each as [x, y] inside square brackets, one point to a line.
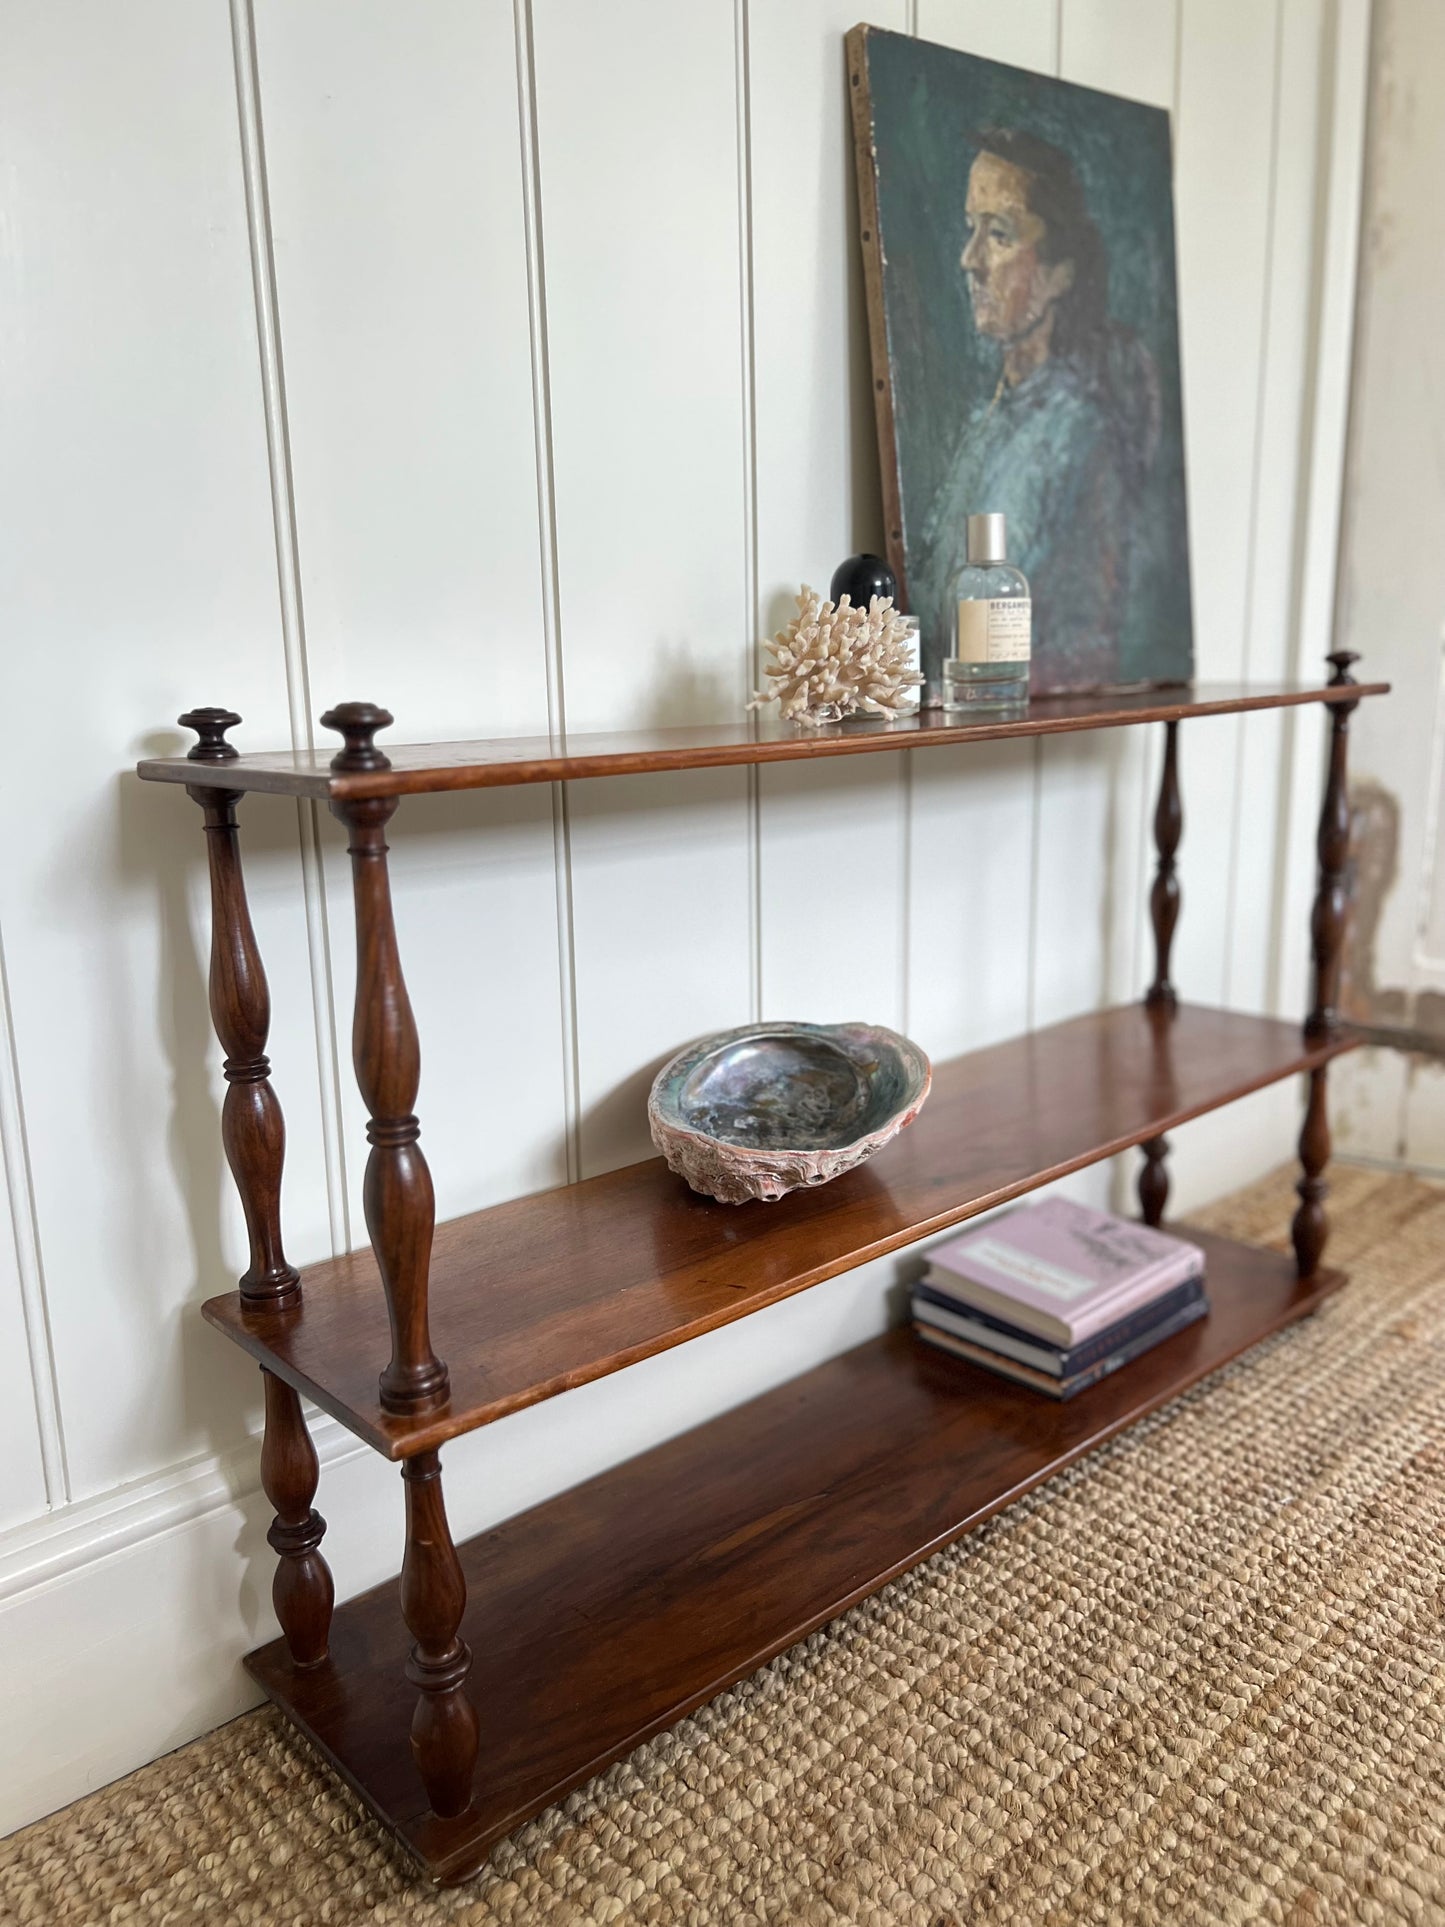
[1407, 1019]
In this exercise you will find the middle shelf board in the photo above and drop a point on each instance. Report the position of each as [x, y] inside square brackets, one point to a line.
[532, 1297]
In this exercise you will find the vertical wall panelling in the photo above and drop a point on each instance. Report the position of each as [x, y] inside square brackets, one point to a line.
[1260, 851]
[1125, 47]
[637, 115]
[1345, 67]
[140, 579]
[1128, 47]
[288, 577]
[410, 399]
[971, 871]
[1225, 147]
[547, 545]
[832, 837]
[1025, 33]
[30, 1432]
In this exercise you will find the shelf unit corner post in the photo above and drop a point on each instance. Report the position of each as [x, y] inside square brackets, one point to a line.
[1164, 897]
[445, 1733]
[301, 1589]
[253, 1129]
[397, 1191]
[1328, 918]
[1154, 1180]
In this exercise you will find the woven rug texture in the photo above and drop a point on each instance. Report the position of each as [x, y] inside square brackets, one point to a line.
[1198, 1677]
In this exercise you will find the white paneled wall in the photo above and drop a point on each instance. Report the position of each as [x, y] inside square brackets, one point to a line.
[506, 364]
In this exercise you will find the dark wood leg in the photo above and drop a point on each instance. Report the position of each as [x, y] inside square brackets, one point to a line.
[444, 1731]
[1311, 1227]
[1327, 931]
[397, 1191]
[301, 1591]
[1164, 897]
[252, 1127]
[1154, 1180]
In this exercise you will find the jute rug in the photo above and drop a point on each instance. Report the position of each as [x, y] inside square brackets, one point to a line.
[1201, 1677]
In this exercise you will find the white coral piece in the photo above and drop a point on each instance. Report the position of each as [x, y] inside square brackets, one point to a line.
[830, 663]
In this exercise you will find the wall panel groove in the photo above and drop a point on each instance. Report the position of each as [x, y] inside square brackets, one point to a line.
[292, 606]
[547, 542]
[752, 614]
[49, 1421]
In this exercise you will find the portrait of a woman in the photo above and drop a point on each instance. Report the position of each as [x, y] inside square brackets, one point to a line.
[1020, 383]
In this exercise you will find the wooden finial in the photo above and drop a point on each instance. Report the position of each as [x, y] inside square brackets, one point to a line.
[358, 723]
[211, 726]
[1340, 660]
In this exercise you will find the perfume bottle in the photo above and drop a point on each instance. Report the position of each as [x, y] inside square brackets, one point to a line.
[989, 669]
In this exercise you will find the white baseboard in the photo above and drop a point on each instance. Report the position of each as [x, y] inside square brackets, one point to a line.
[123, 1620]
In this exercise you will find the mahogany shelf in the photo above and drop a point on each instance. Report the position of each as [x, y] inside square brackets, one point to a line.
[601, 1617]
[414, 768]
[546, 1292]
[525, 1660]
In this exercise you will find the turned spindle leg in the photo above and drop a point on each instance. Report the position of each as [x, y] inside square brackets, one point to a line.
[253, 1132]
[301, 1590]
[1311, 1227]
[1154, 1180]
[397, 1190]
[444, 1731]
[1164, 896]
[1327, 932]
[252, 1127]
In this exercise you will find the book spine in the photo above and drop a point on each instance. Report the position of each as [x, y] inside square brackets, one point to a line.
[1062, 1388]
[1126, 1355]
[1058, 1361]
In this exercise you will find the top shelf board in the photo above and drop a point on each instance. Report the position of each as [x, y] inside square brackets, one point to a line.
[415, 768]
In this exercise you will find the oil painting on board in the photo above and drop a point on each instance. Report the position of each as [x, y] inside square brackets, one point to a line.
[1018, 237]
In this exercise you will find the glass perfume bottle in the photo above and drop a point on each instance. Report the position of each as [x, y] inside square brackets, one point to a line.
[989, 668]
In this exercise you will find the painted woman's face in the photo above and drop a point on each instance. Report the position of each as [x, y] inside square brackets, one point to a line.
[1010, 288]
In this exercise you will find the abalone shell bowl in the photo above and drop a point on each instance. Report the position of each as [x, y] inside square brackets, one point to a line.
[762, 1110]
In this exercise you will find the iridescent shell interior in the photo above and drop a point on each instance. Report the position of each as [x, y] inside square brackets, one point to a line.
[764, 1110]
[796, 1088]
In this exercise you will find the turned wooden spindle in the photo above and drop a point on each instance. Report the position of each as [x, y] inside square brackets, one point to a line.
[1332, 897]
[253, 1130]
[301, 1590]
[444, 1729]
[1154, 1180]
[397, 1190]
[1310, 1229]
[1164, 896]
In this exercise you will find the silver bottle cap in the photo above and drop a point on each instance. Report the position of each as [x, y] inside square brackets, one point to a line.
[987, 539]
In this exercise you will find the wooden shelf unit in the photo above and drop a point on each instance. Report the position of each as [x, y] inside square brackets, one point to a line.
[535, 1660]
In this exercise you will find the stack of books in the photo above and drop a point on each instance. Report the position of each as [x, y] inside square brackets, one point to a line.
[1058, 1296]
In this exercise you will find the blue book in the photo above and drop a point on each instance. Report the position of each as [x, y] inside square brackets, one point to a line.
[992, 1334]
[1045, 1381]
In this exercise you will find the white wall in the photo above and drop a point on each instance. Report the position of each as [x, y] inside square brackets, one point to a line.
[508, 366]
[1392, 596]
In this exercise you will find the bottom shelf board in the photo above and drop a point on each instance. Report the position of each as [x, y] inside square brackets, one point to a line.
[604, 1615]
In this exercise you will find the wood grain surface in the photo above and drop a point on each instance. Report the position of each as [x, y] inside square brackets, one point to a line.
[415, 768]
[546, 1292]
[604, 1615]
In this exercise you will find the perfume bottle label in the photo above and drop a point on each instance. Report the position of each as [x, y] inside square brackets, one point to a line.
[996, 630]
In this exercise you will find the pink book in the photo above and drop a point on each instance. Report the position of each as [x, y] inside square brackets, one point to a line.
[1060, 1270]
